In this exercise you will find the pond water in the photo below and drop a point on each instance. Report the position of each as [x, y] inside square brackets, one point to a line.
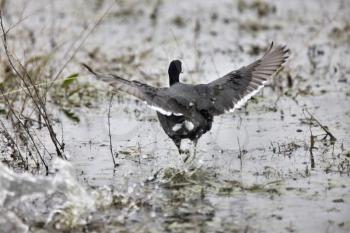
[253, 172]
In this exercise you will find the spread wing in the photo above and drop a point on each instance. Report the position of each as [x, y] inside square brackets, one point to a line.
[235, 88]
[155, 98]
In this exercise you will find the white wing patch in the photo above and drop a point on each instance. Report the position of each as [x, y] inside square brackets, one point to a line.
[242, 101]
[162, 111]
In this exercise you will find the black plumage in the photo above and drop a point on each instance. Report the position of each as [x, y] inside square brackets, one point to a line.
[177, 127]
[187, 111]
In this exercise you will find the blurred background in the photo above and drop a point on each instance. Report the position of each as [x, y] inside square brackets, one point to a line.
[279, 164]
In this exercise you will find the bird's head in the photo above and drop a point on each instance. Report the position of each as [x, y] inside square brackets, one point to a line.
[174, 71]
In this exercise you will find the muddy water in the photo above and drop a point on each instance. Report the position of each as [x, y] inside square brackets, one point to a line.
[253, 172]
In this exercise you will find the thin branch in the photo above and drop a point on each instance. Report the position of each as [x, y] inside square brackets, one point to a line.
[36, 98]
[82, 42]
[109, 131]
[41, 106]
[312, 146]
[38, 85]
[10, 138]
[28, 133]
[325, 128]
[240, 156]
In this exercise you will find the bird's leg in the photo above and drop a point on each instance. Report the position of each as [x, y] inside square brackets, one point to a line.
[195, 148]
[194, 151]
[187, 157]
[178, 145]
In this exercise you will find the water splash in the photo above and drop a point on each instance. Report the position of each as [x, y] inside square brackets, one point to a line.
[57, 201]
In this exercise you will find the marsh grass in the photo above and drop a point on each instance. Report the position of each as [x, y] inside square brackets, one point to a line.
[27, 109]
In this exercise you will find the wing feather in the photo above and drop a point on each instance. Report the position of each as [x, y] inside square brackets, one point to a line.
[155, 98]
[235, 88]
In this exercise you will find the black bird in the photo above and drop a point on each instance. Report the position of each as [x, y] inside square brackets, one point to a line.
[187, 111]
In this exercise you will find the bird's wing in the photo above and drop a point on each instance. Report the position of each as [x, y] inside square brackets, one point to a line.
[155, 98]
[235, 88]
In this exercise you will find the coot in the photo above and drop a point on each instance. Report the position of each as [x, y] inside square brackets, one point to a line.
[187, 111]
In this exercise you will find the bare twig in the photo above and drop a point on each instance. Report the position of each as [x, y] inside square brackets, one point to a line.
[197, 28]
[41, 106]
[214, 65]
[139, 151]
[324, 128]
[34, 94]
[312, 146]
[17, 23]
[6, 133]
[109, 131]
[28, 133]
[39, 85]
[82, 42]
[240, 156]
[155, 11]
